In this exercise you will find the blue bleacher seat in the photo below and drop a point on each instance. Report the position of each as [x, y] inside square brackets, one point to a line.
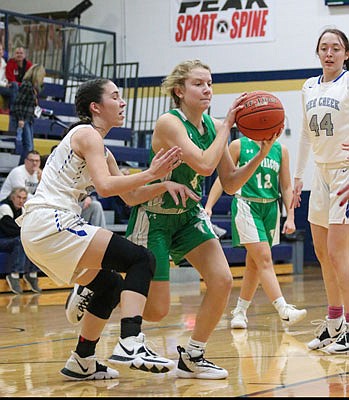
[127, 153]
[53, 90]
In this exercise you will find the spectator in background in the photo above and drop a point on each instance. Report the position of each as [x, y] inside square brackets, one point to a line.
[16, 68]
[26, 108]
[5, 87]
[92, 211]
[26, 175]
[10, 241]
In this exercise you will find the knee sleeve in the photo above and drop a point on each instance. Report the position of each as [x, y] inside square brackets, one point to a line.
[138, 262]
[107, 287]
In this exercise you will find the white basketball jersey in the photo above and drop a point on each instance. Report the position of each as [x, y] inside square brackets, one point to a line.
[65, 179]
[326, 117]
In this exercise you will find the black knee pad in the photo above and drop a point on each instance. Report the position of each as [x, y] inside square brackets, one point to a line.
[107, 287]
[138, 262]
[141, 273]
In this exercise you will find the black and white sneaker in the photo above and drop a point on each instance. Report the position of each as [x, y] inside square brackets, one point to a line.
[341, 344]
[327, 331]
[81, 369]
[77, 303]
[198, 367]
[133, 351]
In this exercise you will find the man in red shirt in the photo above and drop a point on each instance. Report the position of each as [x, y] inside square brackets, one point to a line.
[16, 67]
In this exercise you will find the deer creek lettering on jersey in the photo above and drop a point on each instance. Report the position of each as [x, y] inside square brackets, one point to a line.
[324, 102]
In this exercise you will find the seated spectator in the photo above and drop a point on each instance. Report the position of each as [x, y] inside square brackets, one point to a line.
[10, 241]
[25, 109]
[16, 68]
[26, 175]
[92, 211]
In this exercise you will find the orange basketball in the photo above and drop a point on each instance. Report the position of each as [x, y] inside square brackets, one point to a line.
[262, 116]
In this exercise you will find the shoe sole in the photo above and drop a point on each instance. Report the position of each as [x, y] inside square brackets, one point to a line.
[191, 375]
[321, 345]
[345, 351]
[238, 326]
[94, 377]
[146, 366]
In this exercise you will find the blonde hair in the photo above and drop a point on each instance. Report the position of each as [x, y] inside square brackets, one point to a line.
[35, 74]
[178, 76]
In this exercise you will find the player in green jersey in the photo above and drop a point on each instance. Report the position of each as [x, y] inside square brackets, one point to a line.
[171, 230]
[255, 216]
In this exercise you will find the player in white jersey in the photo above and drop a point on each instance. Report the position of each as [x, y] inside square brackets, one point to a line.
[325, 128]
[69, 250]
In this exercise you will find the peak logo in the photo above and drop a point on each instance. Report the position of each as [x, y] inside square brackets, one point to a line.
[208, 22]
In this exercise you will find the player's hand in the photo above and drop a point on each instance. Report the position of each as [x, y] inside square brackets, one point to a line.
[297, 191]
[266, 145]
[234, 108]
[164, 162]
[289, 227]
[177, 190]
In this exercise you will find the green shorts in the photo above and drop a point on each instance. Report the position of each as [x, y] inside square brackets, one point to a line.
[169, 235]
[253, 222]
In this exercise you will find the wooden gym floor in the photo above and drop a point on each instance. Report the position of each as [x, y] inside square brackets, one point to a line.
[264, 361]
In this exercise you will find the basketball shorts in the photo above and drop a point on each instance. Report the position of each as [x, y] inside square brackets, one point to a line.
[55, 241]
[254, 222]
[169, 235]
[324, 208]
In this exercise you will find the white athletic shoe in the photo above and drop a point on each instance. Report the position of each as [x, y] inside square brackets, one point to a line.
[133, 351]
[81, 369]
[77, 303]
[327, 331]
[239, 320]
[197, 367]
[341, 344]
[290, 315]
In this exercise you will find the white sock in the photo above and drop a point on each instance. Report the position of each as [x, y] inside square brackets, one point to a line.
[195, 348]
[279, 303]
[243, 304]
[15, 275]
[33, 274]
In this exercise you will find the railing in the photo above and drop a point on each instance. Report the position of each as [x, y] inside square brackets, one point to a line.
[69, 52]
[73, 53]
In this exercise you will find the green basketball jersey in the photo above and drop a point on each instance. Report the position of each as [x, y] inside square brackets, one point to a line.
[184, 174]
[264, 183]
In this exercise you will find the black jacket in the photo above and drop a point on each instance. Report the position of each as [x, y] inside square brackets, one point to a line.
[8, 225]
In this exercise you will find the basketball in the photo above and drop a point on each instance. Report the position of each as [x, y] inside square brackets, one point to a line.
[262, 116]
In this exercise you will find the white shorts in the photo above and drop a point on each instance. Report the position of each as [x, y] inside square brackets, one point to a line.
[55, 241]
[324, 208]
